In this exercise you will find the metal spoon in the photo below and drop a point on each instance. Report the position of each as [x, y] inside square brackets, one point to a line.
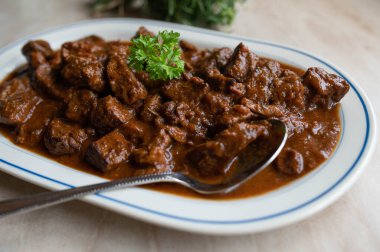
[248, 166]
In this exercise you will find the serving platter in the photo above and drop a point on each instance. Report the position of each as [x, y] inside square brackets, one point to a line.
[286, 205]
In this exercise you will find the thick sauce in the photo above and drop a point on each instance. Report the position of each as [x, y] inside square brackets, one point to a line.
[316, 148]
[316, 145]
[83, 107]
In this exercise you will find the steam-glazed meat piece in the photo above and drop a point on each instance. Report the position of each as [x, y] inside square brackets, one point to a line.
[217, 59]
[118, 49]
[14, 87]
[156, 154]
[80, 103]
[63, 137]
[172, 113]
[110, 114]
[239, 113]
[218, 81]
[90, 46]
[185, 109]
[266, 111]
[84, 72]
[83, 63]
[109, 151]
[151, 107]
[123, 82]
[137, 132]
[271, 67]
[37, 52]
[33, 130]
[56, 61]
[216, 102]
[289, 92]
[145, 79]
[187, 91]
[290, 162]
[193, 119]
[237, 90]
[242, 62]
[259, 84]
[18, 108]
[325, 89]
[212, 158]
[45, 81]
[176, 133]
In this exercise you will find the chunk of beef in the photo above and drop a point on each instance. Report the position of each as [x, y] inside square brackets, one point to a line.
[18, 108]
[56, 61]
[289, 162]
[289, 92]
[37, 52]
[14, 86]
[186, 91]
[216, 102]
[137, 132]
[109, 151]
[260, 82]
[80, 103]
[85, 72]
[212, 158]
[325, 89]
[197, 82]
[230, 117]
[266, 111]
[176, 133]
[46, 81]
[217, 59]
[110, 114]
[156, 154]
[218, 81]
[144, 78]
[237, 89]
[84, 63]
[144, 32]
[33, 130]
[151, 107]
[193, 119]
[242, 62]
[169, 112]
[118, 48]
[123, 82]
[90, 46]
[64, 138]
[271, 67]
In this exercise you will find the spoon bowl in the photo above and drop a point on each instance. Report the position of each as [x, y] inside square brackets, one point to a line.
[248, 165]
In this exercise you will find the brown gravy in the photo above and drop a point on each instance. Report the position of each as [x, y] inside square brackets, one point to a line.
[84, 107]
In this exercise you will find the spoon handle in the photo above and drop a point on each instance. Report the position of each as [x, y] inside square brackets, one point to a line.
[46, 199]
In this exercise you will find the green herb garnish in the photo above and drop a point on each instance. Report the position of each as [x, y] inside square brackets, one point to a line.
[159, 56]
[205, 13]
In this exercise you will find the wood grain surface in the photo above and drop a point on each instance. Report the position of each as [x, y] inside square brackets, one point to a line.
[345, 32]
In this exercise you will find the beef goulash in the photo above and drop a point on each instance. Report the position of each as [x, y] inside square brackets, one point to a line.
[85, 107]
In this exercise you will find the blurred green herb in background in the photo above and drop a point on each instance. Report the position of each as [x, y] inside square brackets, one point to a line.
[204, 13]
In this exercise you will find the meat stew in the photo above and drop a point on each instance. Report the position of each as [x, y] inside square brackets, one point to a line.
[84, 107]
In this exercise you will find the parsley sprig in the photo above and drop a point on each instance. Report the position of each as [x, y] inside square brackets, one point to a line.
[159, 56]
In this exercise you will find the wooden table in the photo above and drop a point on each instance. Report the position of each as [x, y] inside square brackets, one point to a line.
[346, 32]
